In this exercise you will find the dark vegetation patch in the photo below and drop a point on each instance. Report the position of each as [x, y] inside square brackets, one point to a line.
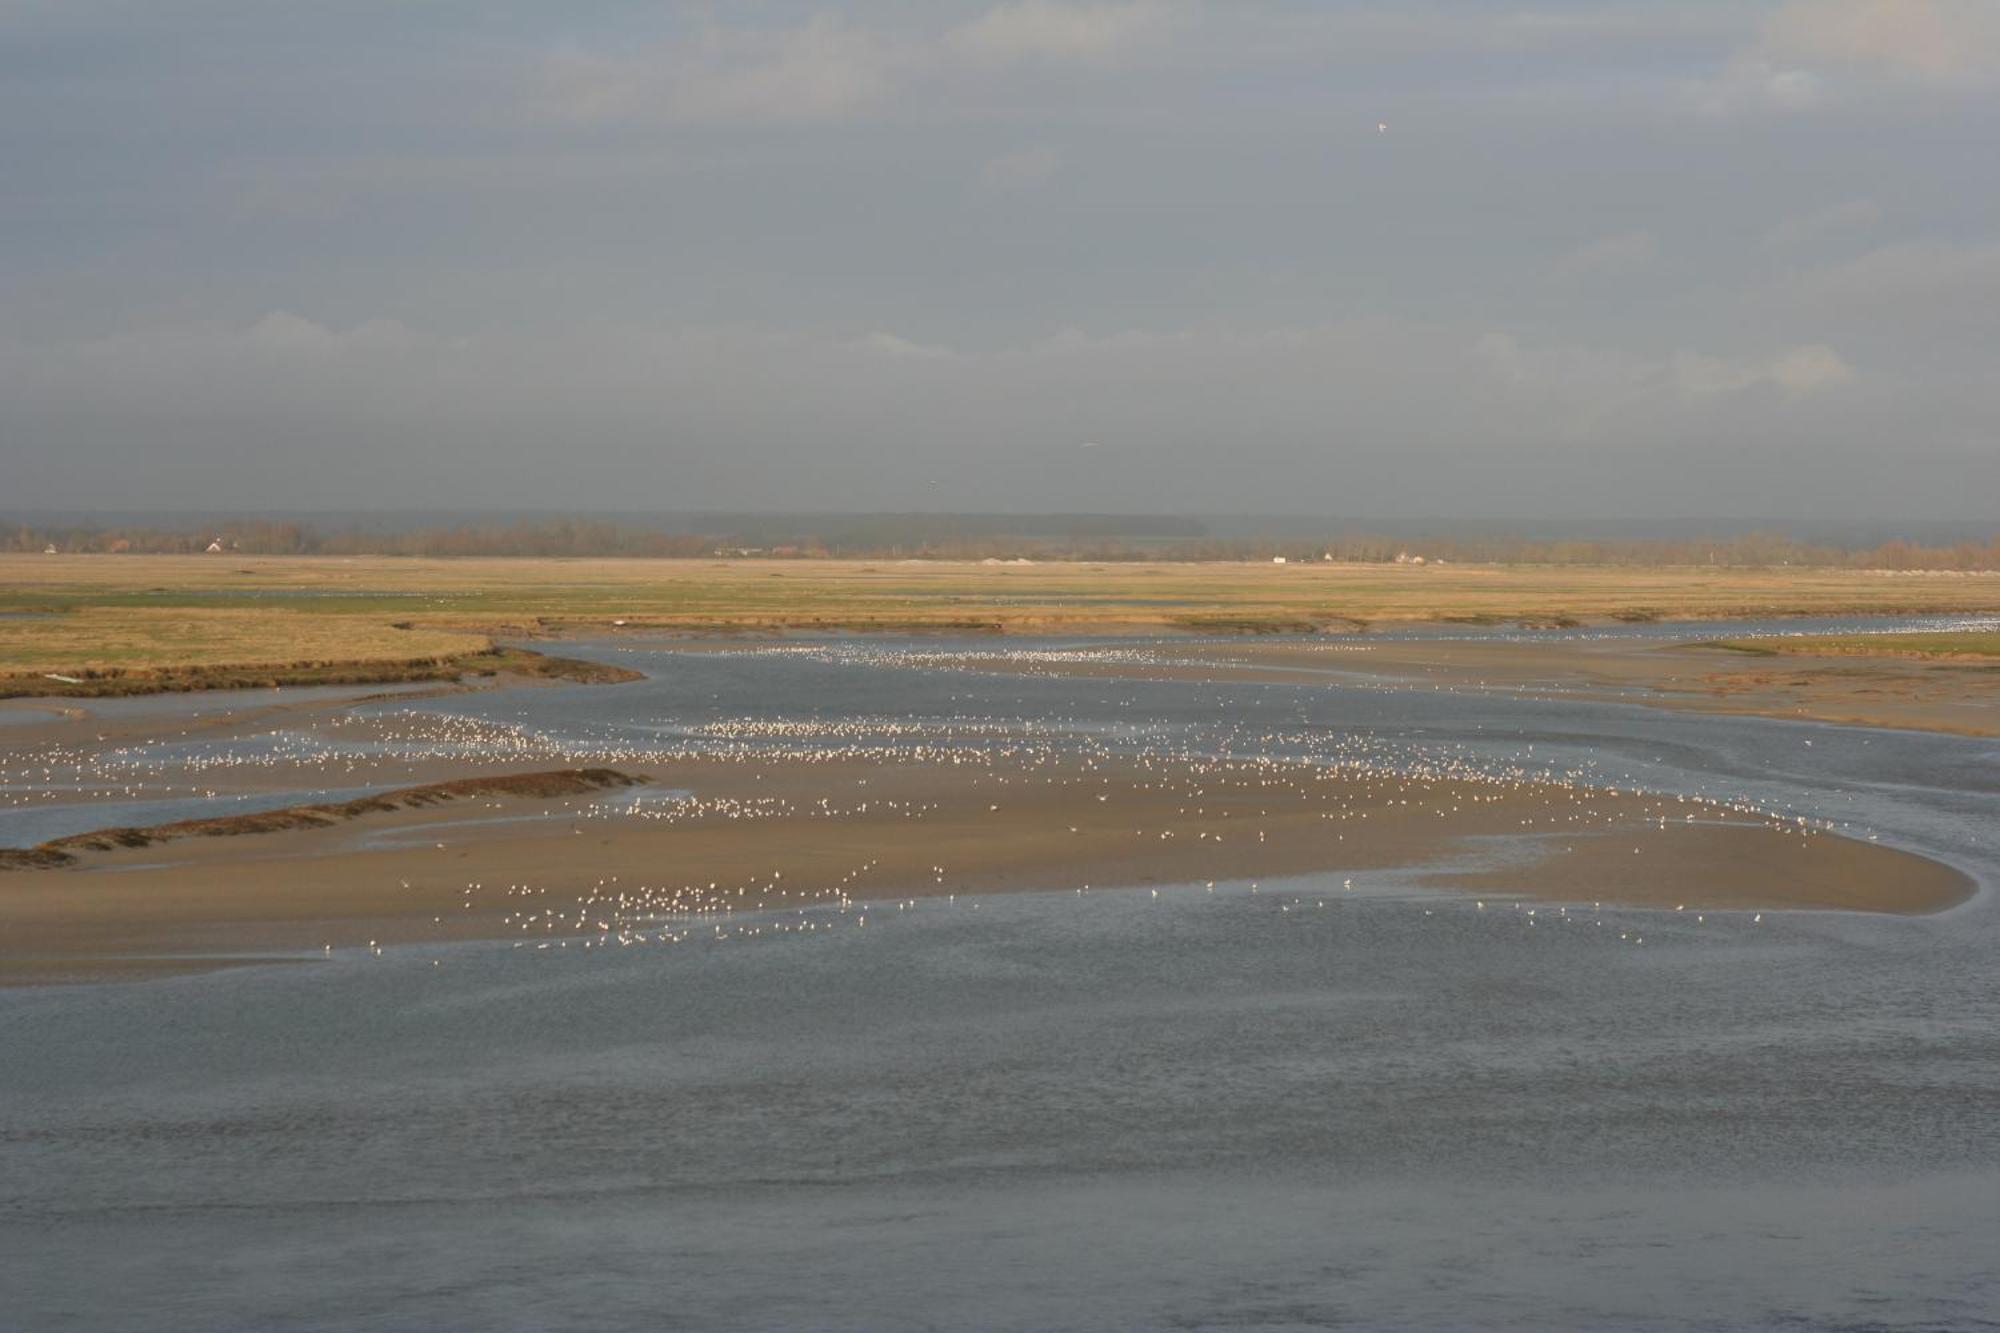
[556, 783]
[524, 662]
[1973, 649]
[111, 682]
[1249, 624]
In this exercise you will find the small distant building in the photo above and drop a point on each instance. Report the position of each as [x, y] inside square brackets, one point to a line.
[50, 549]
[215, 547]
[1277, 560]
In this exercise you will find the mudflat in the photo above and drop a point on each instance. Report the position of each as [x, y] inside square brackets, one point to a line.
[742, 846]
[463, 836]
[1948, 694]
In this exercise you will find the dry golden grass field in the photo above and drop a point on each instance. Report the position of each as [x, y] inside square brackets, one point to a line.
[63, 614]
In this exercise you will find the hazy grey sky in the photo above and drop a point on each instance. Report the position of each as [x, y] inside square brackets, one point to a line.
[1660, 257]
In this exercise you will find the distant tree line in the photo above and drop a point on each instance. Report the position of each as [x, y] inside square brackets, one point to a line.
[560, 537]
[604, 537]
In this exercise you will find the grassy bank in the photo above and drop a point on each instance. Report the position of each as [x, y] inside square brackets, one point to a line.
[1976, 648]
[115, 682]
[247, 619]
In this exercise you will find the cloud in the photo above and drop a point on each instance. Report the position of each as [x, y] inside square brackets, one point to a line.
[1401, 32]
[1833, 220]
[820, 71]
[285, 335]
[1809, 369]
[1599, 389]
[1797, 372]
[824, 70]
[1751, 82]
[1949, 291]
[1932, 41]
[812, 417]
[1023, 169]
[902, 349]
[1045, 30]
[1913, 272]
[1291, 381]
[1807, 50]
[275, 353]
[1626, 252]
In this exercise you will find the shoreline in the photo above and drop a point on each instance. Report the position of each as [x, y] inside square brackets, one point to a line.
[1950, 696]
[71, 613]
[1242, 631]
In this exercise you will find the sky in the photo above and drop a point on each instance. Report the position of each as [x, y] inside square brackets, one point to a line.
[1414, 257]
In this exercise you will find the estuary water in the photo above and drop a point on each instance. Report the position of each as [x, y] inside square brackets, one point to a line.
[1234, 1109]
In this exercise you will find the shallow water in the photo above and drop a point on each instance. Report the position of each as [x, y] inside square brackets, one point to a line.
[212, 703]
[1234, 1110]
[21, 717]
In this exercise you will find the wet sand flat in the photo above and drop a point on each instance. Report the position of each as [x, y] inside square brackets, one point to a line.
[749, 837]
[1947, 696]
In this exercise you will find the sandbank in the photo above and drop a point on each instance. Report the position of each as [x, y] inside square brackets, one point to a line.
[712, 843]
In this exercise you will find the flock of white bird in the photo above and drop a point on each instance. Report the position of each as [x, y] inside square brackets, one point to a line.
[1209, 770]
